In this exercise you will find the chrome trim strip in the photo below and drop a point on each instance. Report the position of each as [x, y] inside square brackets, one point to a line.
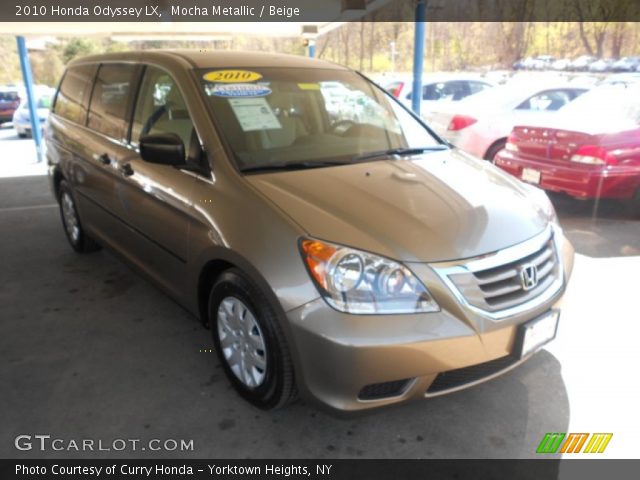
[497, 259]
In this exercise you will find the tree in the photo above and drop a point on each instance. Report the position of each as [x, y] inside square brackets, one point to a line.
[617, 38]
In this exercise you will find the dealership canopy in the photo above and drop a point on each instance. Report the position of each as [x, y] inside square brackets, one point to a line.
[122, 25]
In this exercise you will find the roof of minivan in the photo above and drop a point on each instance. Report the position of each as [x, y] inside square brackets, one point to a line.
[215, 59]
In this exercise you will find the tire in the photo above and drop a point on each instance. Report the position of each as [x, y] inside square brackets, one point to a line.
[494, 149]
[635, 204]
[260, 369]
[22, 135]
[71, 223]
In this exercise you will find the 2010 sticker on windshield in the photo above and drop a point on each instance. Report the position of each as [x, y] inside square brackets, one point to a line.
[231, 76]
[239, 90]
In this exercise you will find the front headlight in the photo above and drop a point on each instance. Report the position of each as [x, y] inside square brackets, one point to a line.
[358, 282]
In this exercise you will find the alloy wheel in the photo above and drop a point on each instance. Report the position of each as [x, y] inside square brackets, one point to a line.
[71, 223]
[242, 342]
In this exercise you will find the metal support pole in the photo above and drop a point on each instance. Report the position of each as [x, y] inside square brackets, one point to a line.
[312, 48]
[418, 55]
[25, 65]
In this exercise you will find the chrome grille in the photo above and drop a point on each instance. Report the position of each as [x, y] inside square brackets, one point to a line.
[501, 287]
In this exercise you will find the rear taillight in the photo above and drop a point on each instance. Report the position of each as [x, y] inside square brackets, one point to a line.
[395, 91]
[593, 155]
[511, 143]
[458, 122]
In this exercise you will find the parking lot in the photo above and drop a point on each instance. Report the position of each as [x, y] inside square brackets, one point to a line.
[88, 349]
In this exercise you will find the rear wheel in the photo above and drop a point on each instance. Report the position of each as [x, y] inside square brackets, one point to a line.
[495, 149]
[77, 237]
[635, 204]
[249, 341]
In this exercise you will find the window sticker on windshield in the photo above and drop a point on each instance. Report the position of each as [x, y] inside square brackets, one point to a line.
[231, 90]
[231, 76]
[308, 86]
[254, 114]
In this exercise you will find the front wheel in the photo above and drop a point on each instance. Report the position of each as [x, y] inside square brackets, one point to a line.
[77, 237]
[249, 341]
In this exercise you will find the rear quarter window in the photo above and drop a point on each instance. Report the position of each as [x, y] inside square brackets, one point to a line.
[73, 95]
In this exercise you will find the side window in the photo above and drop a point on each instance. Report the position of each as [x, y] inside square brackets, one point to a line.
[73, 96]
[456, 90]
[550, 100]
[108, 107]
[432, 91]
[162, 109]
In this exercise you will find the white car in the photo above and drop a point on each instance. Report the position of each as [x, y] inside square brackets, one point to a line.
[22, 118]
[582, 63]
[437, 89]
[561, 64]
[602, 65]
[481, 124]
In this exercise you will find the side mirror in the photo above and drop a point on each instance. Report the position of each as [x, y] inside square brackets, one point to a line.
[162, 148]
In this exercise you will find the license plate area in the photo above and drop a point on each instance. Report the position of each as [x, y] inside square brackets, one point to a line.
[531, 175]
[536, 333]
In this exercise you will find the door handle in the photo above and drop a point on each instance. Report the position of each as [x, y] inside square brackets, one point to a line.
[103, 159]
[126, 170]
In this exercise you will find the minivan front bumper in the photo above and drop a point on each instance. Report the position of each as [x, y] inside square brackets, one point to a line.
[356, 362]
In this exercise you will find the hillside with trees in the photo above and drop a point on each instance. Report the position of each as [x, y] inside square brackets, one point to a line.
[375, 47]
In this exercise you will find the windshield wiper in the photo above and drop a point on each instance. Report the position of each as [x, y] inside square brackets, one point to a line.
[284, 166]
[399, 152]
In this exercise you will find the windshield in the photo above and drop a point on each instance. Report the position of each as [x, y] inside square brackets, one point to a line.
[44, 102]
[9, 96]
[277, 116]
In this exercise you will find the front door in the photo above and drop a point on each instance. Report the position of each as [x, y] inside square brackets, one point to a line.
[156, 198]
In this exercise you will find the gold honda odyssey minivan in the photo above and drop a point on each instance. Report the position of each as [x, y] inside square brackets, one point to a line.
[331, 242]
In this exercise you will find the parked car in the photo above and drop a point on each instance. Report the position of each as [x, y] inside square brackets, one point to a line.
[542, 62]
[626, 64]
[481, 124]
[581, 64]
[519, 64]
[359, 262]
[9, 103]
[602, 65]
[437, 88]
[561, 64]
[591, 149]
[22, 118]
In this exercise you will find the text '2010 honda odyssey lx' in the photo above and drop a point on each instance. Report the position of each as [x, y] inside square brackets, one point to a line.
[332, 243]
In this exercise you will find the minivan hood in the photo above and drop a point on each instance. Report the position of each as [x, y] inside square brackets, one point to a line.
[434, 207]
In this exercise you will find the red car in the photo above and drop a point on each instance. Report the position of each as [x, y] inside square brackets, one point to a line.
[9, 103]
[589, 149]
